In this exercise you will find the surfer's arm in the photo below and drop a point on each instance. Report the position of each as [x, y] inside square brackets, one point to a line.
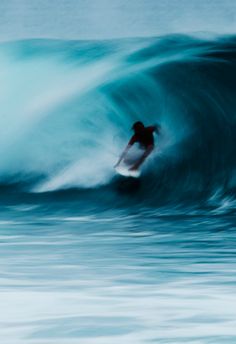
[143, 158]
[155, 128]
[127, 148]
[123, 154]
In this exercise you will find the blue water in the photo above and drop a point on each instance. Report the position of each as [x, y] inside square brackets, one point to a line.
[91, 257]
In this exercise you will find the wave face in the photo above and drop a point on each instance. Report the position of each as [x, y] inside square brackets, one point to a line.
[67, 108]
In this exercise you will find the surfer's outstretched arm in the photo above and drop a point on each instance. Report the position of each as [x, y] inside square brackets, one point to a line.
[147, 152]
[123, 154]
[157, 128]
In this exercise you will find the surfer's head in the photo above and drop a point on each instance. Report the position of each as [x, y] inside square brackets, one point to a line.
[138, 126]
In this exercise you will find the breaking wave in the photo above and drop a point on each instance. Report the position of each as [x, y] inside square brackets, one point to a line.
[67, 108]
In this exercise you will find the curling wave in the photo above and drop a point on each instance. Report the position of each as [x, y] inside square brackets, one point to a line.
[67, 108]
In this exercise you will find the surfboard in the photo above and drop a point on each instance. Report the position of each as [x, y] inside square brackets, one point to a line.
[124, 171]
[124, 167]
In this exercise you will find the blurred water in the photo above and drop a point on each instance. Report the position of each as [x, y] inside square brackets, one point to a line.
[116, 277]
[91, 257]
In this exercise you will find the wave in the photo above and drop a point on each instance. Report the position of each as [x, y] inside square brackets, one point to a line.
[67, 108]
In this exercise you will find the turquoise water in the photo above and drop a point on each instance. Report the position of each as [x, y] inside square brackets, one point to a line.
[117, 276]
[87, 256]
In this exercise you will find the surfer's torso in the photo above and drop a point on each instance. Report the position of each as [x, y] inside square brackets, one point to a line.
[144, 137]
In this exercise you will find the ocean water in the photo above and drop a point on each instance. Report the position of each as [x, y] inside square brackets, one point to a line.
[88, 256]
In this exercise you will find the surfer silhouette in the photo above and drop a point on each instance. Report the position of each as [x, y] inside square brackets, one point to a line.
[144, 136]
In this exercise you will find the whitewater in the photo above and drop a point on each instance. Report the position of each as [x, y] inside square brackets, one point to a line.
[88, 256]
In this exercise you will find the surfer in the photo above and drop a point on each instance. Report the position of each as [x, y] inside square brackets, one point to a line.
[144, 136]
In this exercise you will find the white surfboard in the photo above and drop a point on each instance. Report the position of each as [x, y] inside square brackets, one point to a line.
[132, 157]
[124, 171]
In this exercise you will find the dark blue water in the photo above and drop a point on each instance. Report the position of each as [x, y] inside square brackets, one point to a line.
[88, 256]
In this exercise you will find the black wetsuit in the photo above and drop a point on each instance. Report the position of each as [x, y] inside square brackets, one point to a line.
[144, 137]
